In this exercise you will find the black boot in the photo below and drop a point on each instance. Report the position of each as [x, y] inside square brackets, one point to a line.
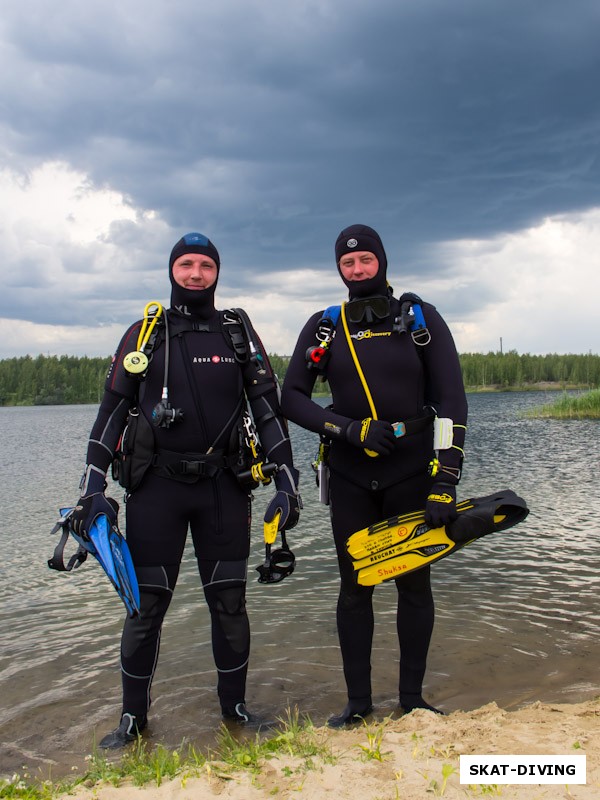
[129, 729]
[409, 702]
[240, 714]
[353, 714]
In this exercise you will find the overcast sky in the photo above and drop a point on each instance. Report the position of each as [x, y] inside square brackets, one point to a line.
[467, 132]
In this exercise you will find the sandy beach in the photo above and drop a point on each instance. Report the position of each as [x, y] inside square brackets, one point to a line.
[408, 758]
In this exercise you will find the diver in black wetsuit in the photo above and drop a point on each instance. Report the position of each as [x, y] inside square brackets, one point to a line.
[186, 453]
[374, 473]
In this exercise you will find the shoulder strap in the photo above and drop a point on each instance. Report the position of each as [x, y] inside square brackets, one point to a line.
[332, 313]
[318, 355]
[234, 330]
[412, 319]
[239, 328]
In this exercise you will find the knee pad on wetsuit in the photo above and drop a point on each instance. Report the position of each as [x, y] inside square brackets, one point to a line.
[156, 590]
[355, 599]
[228, 608]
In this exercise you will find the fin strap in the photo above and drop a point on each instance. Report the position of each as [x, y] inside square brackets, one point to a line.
[57, 561]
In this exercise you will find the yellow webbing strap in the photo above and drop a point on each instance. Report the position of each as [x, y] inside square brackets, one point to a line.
[361, 375]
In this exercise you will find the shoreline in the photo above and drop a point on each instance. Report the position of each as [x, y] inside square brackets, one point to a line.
[407, 757]
[542, 386]
[493, 388]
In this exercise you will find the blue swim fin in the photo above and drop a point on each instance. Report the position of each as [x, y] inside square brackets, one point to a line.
[106, 543]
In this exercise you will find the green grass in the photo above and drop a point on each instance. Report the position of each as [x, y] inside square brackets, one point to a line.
[581, 406]
[143, 764]
[372, 750]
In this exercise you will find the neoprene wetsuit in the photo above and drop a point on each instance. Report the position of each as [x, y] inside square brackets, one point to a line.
[403, 379]
[207, 383]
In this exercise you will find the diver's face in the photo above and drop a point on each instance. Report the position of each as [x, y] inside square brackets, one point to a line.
[359, 266]
[195, 271]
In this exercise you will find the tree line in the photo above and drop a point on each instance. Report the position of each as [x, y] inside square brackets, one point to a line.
[64, 380]
[504, 370]
[52, 380]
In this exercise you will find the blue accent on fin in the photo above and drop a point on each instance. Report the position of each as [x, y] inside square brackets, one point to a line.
[107, 544]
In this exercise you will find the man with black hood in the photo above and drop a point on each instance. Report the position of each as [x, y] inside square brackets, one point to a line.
[380, 374]
[189, 406]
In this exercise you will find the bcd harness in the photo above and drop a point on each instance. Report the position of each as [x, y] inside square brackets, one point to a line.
[410, 319]
[242, 453]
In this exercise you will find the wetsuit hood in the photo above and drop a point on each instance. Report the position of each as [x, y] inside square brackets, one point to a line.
[357, 238]
[199, 304]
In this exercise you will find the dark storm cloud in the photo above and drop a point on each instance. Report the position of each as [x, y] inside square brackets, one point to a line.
[271, 126]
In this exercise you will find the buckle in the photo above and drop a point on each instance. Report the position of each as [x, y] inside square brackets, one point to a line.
[191, 467]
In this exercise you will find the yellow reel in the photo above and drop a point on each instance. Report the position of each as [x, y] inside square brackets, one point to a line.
[136, 362]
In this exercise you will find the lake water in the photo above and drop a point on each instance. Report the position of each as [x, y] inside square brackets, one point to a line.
[517, 614]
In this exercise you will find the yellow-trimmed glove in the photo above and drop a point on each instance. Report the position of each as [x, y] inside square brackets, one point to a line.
[372, 434]
[440, 509]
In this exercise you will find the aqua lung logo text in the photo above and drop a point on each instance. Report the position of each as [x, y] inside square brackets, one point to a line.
[213, 360]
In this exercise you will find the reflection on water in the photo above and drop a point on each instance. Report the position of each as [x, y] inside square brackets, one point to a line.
[517, 614]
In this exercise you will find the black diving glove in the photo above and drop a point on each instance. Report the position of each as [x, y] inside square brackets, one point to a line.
[372, 434]
[90, 507]
[287, 501]
[440, 509]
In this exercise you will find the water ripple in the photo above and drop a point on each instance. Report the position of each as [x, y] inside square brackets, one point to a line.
[518, 614]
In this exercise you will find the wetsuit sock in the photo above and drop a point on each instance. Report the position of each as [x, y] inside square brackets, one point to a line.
[128, 730]
[410, 702]
[240, 715]
[355, 711]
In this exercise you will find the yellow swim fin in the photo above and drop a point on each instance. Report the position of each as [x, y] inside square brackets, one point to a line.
[404, 543]
[429, 547]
